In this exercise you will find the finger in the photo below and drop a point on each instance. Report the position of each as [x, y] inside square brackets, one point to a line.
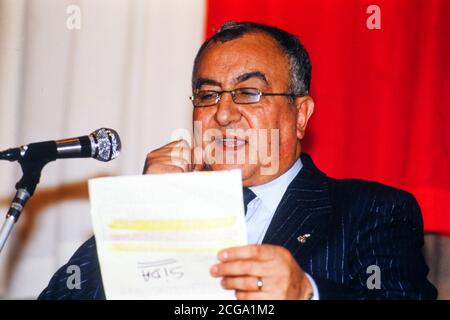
[177, 162]
[252, 251]
[167, 158]
[168, 148]
[179, 143]
[166, 151]
[197, 159]
[179, 148]
[239, 268]
[240, 283]
[251, 295]
[182, 150]
[165, 164]
[198, 167]
[163, 168]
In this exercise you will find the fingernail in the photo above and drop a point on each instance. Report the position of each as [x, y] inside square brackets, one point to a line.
[213, 269]
[223, 255]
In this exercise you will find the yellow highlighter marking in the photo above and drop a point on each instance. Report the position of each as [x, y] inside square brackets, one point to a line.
[172, 225]
[129, 247]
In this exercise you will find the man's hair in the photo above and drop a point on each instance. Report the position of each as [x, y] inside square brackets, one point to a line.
[290, 45]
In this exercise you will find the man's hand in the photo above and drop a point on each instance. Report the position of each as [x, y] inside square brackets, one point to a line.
[280, 275]
[176, 156]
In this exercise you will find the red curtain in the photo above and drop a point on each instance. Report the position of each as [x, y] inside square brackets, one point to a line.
[382, 96]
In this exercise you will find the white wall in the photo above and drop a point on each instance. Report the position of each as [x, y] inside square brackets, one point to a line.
[127, 68]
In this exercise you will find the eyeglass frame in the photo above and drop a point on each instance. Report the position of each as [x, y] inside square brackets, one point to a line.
[232, 93]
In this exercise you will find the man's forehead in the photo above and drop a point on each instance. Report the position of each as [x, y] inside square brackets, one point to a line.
[247, 44]
[252, 55]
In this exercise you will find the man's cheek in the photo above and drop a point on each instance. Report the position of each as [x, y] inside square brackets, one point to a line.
[269, 151]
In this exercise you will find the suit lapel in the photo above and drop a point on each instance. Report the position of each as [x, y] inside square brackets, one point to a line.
[305, 209]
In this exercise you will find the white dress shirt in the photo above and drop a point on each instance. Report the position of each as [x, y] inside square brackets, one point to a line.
[260, 210]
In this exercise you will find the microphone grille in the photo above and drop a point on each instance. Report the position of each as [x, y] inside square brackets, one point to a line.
[105, 144]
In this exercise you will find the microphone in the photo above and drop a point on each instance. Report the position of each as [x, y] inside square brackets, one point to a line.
[102, 144]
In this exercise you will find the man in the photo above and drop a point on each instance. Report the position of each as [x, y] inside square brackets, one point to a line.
[311, 236]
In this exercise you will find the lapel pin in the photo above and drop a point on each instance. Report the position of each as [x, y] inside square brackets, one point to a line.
[303, 237]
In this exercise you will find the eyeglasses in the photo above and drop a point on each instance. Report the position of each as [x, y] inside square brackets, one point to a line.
[206, 98]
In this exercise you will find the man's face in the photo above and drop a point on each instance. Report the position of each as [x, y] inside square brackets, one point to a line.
[251, 61]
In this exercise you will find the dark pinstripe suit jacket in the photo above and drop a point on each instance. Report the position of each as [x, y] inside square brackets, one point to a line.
[353, 224]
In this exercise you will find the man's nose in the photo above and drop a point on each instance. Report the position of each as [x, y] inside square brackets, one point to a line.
[227, 110]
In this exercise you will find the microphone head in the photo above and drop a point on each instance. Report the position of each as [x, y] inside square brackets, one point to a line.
[105, 144]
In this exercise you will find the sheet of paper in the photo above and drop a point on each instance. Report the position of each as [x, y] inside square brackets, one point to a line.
[158, 235]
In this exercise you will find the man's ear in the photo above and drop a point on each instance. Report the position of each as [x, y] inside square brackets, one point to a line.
[305, 108]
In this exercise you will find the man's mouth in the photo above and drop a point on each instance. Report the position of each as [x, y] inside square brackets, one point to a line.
[231, 142]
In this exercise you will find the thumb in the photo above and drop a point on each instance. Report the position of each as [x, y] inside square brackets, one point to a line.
[197, 159]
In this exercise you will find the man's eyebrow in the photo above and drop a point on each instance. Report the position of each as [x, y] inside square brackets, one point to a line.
[241, 78]
[254, 74]
[203, 81]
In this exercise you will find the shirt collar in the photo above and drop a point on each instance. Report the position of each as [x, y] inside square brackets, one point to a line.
[270, 193]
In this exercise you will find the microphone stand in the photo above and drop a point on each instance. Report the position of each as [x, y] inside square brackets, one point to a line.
[25, 188]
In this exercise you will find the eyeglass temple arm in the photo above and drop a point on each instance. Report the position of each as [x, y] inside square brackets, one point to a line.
[281, 94]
